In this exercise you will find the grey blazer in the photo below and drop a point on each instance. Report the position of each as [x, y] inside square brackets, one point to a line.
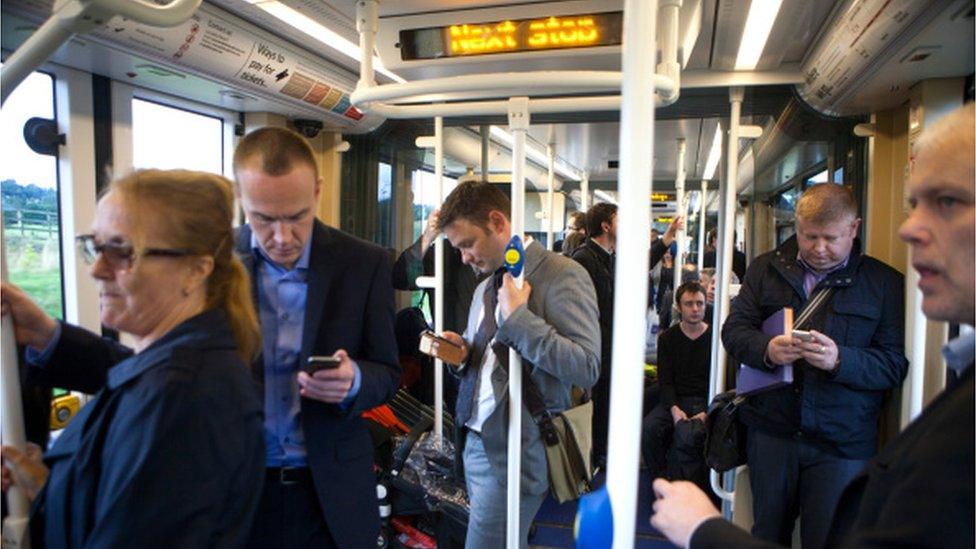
[558, 337]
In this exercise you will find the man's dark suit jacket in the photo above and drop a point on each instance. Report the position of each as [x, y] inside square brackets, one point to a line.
[918, 492]
[349, 306]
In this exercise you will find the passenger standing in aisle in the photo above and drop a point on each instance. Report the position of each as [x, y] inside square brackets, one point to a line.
[552, 322]
[459, 279]
[597, 257]
[318, 291]
[918, 492]
[806, 441]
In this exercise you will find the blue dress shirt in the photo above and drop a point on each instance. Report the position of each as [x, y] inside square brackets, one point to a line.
[282, 295]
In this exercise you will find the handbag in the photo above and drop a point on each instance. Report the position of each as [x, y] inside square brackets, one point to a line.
[568, 440]
[726, 445]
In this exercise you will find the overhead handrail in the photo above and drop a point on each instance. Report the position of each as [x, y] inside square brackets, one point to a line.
[79, 16]
[500, 84]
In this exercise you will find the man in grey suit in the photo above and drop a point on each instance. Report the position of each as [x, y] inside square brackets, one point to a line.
[552, 322]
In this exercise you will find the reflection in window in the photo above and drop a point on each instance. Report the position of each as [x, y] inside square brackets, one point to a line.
[31, 227]
[384, 197]
[423, 184]
[170, 138]
[425, 200]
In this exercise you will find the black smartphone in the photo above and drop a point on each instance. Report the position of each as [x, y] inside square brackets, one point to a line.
[316, 363]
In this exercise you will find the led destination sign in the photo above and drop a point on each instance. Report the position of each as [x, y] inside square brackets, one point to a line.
[519, 35]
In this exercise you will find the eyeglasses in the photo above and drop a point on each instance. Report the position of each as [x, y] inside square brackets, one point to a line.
[119, 256]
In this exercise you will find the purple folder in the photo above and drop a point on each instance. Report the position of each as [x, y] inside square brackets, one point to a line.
[751, 380]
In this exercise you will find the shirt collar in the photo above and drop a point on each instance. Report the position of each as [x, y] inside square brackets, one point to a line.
[815, 272]
[960, 352]
[303, 259]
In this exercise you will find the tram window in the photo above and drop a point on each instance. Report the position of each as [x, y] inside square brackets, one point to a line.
[423, 185]
[384, 197]
[167, 137]
[31, 219]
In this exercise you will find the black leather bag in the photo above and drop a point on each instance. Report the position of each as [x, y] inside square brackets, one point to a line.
[726, 446]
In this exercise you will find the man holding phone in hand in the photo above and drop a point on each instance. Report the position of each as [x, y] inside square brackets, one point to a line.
[806, 441]
[552, 322]
[324, 294]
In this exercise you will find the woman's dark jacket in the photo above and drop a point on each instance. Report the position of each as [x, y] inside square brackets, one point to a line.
[866, 319]
[168, 453]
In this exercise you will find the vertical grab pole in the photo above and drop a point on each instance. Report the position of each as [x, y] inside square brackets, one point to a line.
[439, 281]
[15, 531]
[679, 197]
[518, 124]
[702, 211]
[585, 191]
[485, 151]
[550, 210]
[723, 261]
[634, 187]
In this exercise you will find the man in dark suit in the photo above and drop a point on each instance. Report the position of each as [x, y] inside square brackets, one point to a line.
[319, 291]
[918, 492]
[596, 256]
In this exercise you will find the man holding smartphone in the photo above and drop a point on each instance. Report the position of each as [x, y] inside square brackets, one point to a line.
[324, 294]
[552, 321]
[806, 441]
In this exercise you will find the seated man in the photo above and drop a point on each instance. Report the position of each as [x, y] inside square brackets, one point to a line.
[684, 356]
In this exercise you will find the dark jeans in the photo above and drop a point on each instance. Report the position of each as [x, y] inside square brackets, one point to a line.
[791, 477]
[289, 516]
[658, 432]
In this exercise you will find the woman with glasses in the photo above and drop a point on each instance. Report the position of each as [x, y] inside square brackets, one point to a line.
[170, 451]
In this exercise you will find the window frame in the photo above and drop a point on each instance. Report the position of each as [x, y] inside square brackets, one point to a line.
[122, 149]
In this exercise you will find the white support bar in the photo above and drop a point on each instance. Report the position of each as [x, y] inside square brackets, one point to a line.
[15, 531]
[550, 207]
[367, 24]
[723, 257]
[498, 107]
[426, 141]
[702, 213]
[496, 85]
[426, 282]
[78, 16]
[669, 21]
[439, 282]
[518, 124]
[679, 186]
[634, 187]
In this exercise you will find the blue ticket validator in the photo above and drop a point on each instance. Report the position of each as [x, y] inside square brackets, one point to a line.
[514, 256]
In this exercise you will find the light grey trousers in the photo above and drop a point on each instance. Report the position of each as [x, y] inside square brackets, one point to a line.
[487, 493]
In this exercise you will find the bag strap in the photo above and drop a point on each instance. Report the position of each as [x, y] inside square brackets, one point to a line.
[820, 299]
[537, 409]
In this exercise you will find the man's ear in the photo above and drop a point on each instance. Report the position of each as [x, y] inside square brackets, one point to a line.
[497, 221]
[855, 225]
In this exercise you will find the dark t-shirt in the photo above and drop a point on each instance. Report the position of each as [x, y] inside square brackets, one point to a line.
[682, 364]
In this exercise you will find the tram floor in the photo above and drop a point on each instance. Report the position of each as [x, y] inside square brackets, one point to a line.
[554, 521]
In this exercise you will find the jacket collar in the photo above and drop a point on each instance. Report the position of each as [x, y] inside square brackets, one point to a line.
[207, 330]
[784, 261]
